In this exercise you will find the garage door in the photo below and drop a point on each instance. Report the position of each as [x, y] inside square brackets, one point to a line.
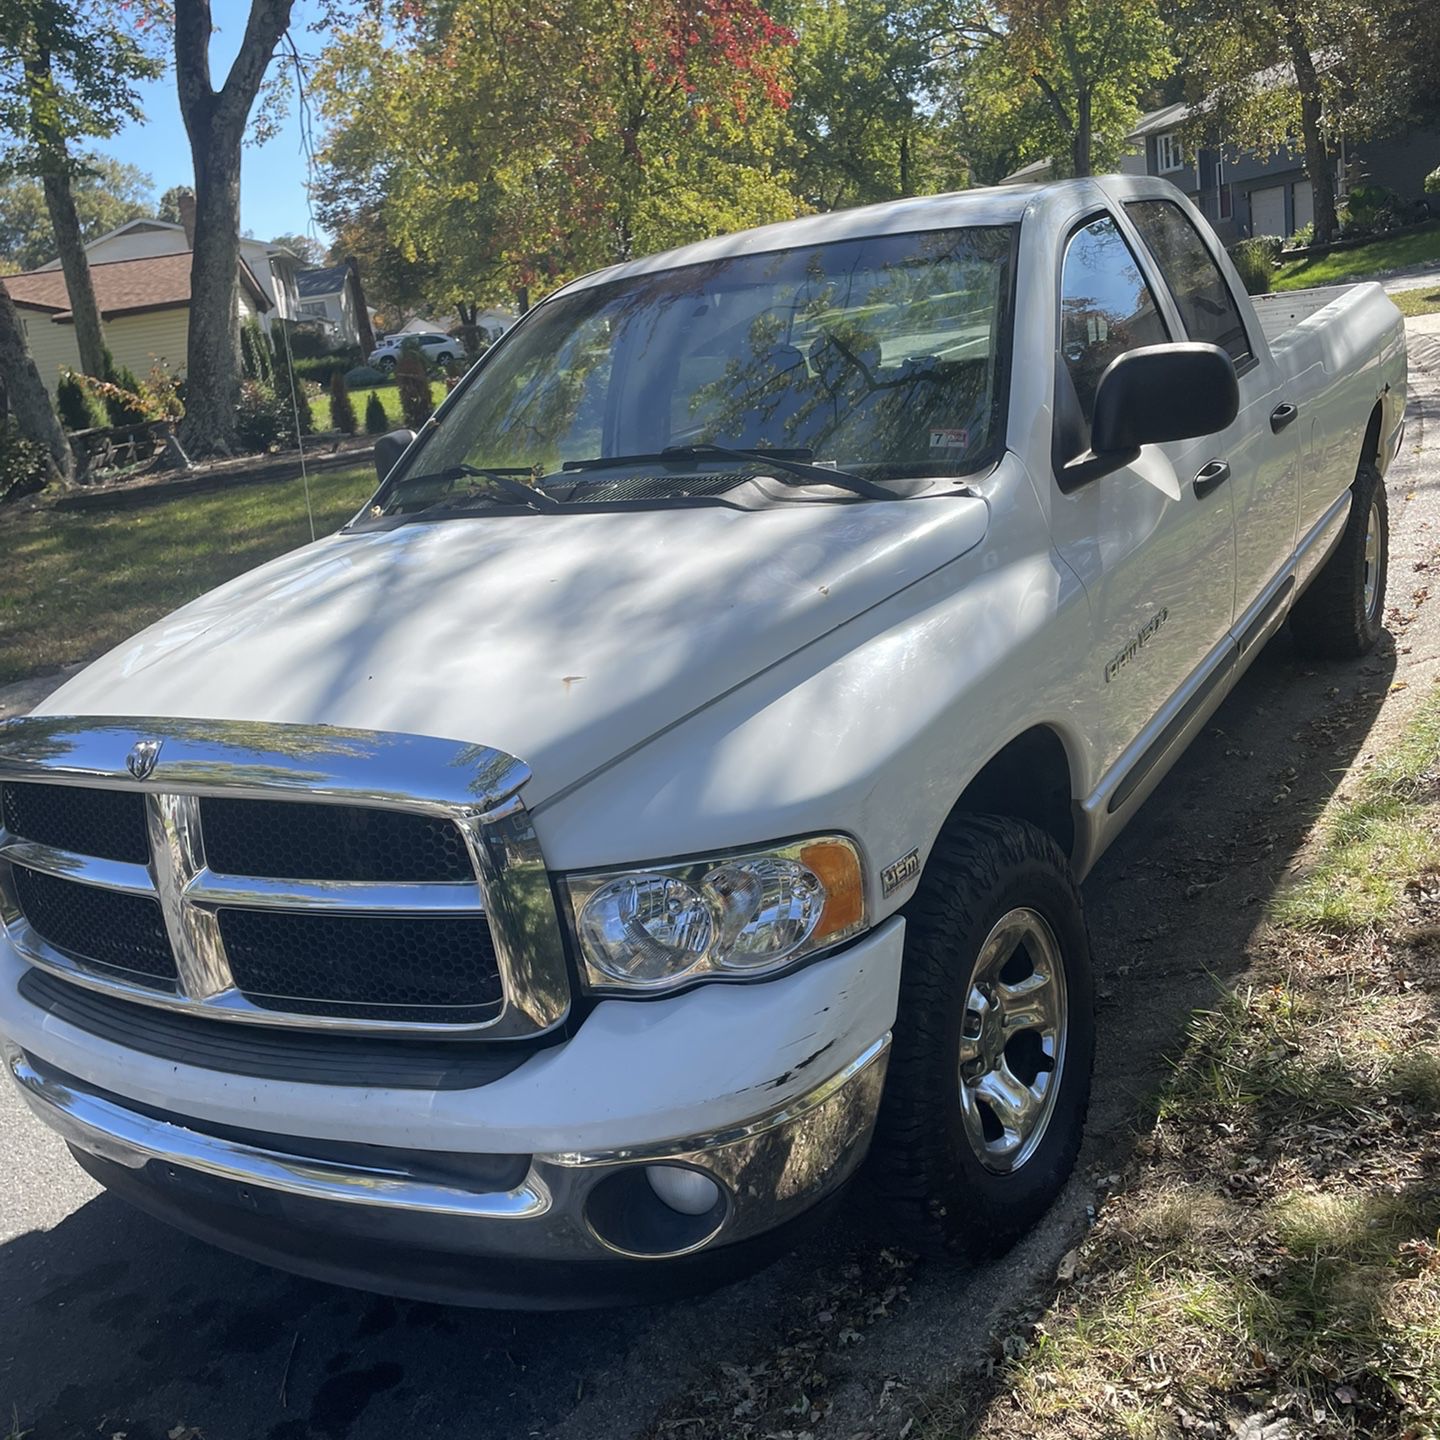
[1267, 211]
[1304, 204]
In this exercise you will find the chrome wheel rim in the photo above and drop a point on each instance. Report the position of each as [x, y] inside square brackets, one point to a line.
[1012, 1041]
[1372, 561]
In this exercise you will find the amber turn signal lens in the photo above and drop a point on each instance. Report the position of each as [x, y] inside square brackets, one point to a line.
[838, 867]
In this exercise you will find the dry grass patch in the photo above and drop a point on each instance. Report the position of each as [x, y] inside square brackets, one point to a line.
[1269, 1266]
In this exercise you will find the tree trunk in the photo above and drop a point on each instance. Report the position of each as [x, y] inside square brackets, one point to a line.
[1080, 139]
[60, 202]
[215, 121]
[1317, 153]
[89, 338]
[25, 392]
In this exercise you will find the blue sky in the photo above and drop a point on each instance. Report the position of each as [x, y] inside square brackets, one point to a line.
[272, 176]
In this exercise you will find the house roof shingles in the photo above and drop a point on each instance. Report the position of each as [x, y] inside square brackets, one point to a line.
[122, 287]
[310, 283]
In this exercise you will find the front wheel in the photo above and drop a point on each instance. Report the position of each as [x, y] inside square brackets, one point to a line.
[385, 364]
[989, 1078]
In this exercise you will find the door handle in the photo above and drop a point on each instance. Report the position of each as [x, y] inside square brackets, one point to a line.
[1211, 477]
[1283, 415]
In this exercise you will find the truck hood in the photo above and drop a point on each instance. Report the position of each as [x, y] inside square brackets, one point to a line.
[565, 640]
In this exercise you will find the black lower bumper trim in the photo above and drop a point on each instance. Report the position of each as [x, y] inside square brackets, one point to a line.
[420, 1258]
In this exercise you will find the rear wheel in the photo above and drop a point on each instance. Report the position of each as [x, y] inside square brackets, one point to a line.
[1342, 613]
[989, 1078]
[385, 363]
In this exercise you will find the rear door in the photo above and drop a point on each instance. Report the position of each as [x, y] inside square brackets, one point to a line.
[1260, 451]
[1156, 559]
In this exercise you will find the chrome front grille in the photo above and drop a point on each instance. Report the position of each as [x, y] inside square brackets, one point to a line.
[279, 875]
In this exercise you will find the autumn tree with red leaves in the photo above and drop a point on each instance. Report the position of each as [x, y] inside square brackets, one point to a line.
[504, 146]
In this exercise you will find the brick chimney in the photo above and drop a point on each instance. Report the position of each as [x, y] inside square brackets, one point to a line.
[185, 203]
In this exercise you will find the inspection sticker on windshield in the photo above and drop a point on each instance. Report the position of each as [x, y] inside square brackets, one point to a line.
[949, 439]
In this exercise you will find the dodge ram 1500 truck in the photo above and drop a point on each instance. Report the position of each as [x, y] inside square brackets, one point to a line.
[671, 789]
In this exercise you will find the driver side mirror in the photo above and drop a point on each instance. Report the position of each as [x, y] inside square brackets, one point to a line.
[389, 448]
[1152, 395]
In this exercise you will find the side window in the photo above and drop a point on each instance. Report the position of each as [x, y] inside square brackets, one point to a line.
[1106, 308]
[1203, 298]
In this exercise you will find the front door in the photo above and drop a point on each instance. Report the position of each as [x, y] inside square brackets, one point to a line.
[1157, 559]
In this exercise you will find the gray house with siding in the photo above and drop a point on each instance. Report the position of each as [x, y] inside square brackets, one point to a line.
[1245, 192]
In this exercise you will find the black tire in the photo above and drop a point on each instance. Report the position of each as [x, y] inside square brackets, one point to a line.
[385, 364]
[1333, 620]
[923, 1164]
[444, 358]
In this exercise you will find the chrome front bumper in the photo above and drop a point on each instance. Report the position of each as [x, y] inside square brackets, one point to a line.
[263, 1196]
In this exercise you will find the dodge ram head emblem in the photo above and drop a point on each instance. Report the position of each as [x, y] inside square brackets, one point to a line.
[142, 757]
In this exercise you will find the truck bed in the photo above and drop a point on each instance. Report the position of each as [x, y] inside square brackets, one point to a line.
[1283, 311]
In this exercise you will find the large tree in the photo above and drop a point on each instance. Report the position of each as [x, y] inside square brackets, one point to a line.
[215, 120]
[863, 124]
[509, 144]
[25, 392]
[1062, 79]
[107, 193]
[1267, 73]
[67, 71]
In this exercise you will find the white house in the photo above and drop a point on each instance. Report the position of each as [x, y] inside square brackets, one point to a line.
[273, 267]
[332, 296]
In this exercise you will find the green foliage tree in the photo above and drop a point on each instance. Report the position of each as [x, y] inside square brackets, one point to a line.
[1266, 73]
[863, 122]
[510, 144]
[67, 71]
[416, 401]
[170, 202]
[311, 252]
[107, 193]
[289, 388]
[1063, 79]
[342, 408]
[377, 422]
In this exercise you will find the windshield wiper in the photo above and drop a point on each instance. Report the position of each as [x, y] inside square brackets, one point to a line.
[792, 462]
[501, 477]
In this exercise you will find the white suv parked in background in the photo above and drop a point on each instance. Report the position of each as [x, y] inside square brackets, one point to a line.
[436, 348]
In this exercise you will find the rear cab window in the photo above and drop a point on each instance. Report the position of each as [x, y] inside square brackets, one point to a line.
[1206, 304]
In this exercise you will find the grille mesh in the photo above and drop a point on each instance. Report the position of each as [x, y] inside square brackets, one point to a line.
[108, 824]
[98, 927]
[364, 966]
[286, 840]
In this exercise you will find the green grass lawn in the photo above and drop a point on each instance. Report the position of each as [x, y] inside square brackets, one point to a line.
[1422, 301]
[1391, 253]
[77, 582]
[389, 398]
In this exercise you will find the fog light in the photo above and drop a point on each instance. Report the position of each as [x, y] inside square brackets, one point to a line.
[686, 1191]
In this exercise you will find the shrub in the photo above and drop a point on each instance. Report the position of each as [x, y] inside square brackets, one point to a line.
[282, 387]
[1302, 238]
[321, 367]
[124, 403]
[342, 409]
[255, 352]
[1432, 182]
[308, 339]
[24, 463]
[377, 422]
[77, 407]
[416, 402]
[1253, 260]
[263, 417]
[362, 377]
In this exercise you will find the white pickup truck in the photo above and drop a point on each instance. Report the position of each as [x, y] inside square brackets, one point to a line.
[672, 788]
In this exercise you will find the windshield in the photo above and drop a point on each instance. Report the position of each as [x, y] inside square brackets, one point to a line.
[879, 355]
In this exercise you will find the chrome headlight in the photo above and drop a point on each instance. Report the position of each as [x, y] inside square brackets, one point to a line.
[732, 916]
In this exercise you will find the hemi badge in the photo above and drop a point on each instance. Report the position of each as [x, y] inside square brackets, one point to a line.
[904, 870]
